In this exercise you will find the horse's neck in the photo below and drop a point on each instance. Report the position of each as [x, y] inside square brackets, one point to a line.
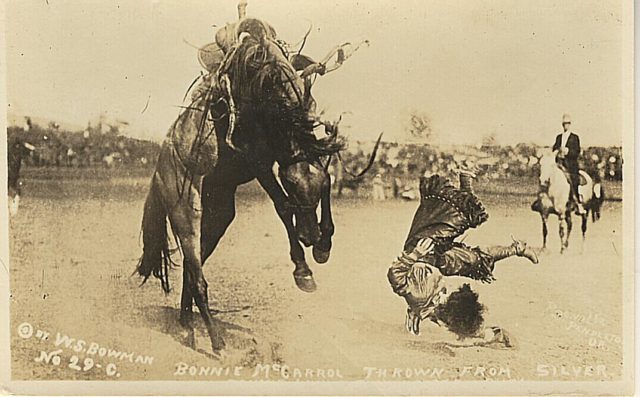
[558, 184]
[558, 176]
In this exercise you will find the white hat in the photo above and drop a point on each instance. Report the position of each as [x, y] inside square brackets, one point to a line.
[566, 118]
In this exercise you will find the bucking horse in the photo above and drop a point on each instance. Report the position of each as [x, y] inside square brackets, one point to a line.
[253, 114]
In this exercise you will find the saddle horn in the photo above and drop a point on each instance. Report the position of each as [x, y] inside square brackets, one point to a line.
[255, 28]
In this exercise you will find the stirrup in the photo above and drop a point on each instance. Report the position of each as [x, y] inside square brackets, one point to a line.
[228, 140]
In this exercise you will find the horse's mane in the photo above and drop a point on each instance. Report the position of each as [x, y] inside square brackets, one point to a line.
[266, 87]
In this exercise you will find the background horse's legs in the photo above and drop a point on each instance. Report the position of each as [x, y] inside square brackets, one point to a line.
[218, 211]
[585, 220]
[322, 249]
[562, 231]
[302, 274]
[545, 231]
[569, 221]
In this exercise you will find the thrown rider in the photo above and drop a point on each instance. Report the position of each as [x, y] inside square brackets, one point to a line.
[431, 254]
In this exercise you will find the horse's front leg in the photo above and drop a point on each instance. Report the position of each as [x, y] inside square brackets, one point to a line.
[569, 221]
[562, 231]
[322, 249]
[302, 274]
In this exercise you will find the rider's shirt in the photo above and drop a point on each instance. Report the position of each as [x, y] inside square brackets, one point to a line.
[572, 143]
[565, 137]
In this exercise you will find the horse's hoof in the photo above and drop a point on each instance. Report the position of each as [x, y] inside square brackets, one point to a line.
[188, 338]
[185, 321]
[305, 283]
[220, 354]
[320, 256]
[217, 343]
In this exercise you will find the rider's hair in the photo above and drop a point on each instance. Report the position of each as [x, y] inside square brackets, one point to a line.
[462, 313]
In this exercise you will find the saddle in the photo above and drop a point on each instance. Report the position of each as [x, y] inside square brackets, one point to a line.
[214, 57]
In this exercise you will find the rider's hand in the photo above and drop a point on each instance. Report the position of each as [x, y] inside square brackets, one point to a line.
[423, 247]
[564, 150]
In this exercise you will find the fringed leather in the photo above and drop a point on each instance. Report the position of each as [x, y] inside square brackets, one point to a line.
[465, 202]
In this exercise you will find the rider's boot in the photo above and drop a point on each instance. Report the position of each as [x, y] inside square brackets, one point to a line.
[466, 176]
[517, 248]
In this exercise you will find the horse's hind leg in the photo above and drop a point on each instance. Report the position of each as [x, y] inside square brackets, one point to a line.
[218, 211]
[185, 217]
[186, 309]
[189, 234]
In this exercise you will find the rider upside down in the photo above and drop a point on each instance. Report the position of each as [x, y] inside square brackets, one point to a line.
[430, 254]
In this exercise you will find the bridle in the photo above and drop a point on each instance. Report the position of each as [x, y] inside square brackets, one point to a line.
[300, 208]
[294, 205]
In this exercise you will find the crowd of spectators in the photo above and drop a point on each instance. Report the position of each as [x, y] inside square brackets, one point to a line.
[399, 165]
[395, 167]
[97, 146]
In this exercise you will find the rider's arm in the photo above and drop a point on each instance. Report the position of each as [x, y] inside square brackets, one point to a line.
[556, 145]
[574, 149]
[401, 267]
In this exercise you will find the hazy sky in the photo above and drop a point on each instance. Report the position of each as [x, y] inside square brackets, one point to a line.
[509, 68]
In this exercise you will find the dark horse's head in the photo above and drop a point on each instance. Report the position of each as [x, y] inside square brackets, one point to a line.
[305, 183]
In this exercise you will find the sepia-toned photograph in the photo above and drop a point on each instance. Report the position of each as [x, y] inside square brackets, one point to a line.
[244, 197]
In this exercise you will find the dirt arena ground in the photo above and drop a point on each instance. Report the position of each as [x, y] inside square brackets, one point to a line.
[75, 243]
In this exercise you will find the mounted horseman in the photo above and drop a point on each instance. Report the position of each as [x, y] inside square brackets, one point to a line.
[564, 188]
[567, 147]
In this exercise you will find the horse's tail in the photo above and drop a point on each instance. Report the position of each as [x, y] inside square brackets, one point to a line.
[156, 257]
